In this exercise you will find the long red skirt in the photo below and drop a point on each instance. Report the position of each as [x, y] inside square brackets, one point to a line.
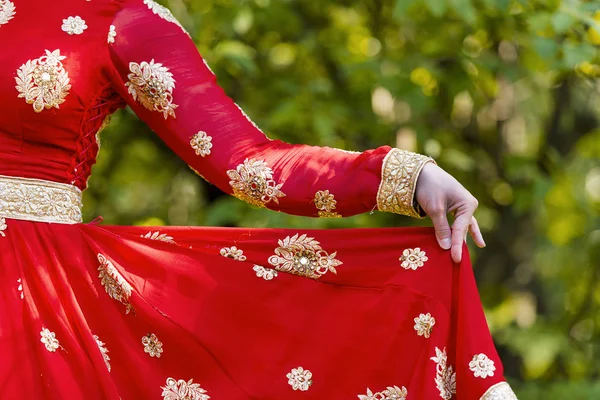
[106, 312]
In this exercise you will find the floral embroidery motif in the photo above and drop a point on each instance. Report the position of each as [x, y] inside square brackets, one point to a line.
[43, 82]
[152, 345]
[303, 255]
[7, 11]
[325, 203]
[424, 324]
[152, 85]
[413, 258]
[20, 288]
[390, 393]
[201, 143]
[182, 390]
[164, 13]
[74, 25]
[445, 379]
[3, 227]
[112, 34]
[300, 379]
[253, 183]
[49, 340]
[499, 391]
[234, 253]
[115, 285]
[162, 237]
[266, 273]
[482, 366]
[103, 351]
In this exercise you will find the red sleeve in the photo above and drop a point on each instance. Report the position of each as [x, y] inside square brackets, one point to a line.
[157, 69]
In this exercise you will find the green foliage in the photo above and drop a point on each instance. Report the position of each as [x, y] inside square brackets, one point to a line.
[503, 93]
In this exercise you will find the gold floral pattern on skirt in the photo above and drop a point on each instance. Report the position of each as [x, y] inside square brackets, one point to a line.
[182, 390]
[74, 25]
[445, 379]
[390, 393]
[424, 324]
[201, 143]
[3, 227]
[303, 255]
[152, 345]
[43, 82]
[300, 379]
[7, 11]
[325, 203]
[151, 84]
[500, 391]
[266, 273]
[413, 258]
[164, 13]
[252, 182]
[49, 340]
[482, 366]
[234, 253]
[162, 237]
[115, 285]
[103, 351]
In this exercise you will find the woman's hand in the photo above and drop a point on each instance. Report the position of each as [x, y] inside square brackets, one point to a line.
[438, 194]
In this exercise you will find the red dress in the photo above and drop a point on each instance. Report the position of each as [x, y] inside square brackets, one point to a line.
[107, 312]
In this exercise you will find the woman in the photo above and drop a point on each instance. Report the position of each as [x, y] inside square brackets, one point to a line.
[104, 312]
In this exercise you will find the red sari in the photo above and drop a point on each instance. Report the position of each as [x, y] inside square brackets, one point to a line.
[107, 312]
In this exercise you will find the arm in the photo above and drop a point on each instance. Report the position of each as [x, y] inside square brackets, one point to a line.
[156, 68]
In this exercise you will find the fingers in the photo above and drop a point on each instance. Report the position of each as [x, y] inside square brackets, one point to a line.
[476, 233]
[459, 230]
[443, 233]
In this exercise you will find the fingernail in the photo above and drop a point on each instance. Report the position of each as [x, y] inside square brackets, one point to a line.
[446, 244]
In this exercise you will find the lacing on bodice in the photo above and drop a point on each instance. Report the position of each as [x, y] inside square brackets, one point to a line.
[95, 118]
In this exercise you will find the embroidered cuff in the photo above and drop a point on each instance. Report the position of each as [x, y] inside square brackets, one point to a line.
[399, 174]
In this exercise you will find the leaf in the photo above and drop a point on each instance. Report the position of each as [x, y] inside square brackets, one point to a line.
[465, 9]
[546, 48]
[574, 54]
[401, 8]
[561, 22]
[437, 7]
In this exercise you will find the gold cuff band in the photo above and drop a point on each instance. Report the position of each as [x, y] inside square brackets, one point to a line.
[399, 175]
[500, 391]
[39, 200]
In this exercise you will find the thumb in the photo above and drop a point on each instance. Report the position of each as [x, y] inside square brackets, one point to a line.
[443, 233]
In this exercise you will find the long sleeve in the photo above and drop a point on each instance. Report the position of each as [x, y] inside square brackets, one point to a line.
[156, 68]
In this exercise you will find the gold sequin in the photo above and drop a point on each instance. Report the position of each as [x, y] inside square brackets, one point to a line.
[399, 175]
[424, 325]
[325, 203]
[103, 351]
[49, 340]
[201, 143]
[162, 237]
[390, 393]
[182, 390]
[152, 85]
[164, 13]
[266, 273]
[3, 227]
[499, 391]
[152, 345]
[303, 255]
[253, 183]
[482, 366]
[233, 253]
[43, 82]
[300, 379]
[74, 25]
[115, 285]
[413, 258]
[7, 11]
[112, 34]
[445, 378]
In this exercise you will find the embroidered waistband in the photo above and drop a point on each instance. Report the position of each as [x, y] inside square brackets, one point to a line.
[39, 200]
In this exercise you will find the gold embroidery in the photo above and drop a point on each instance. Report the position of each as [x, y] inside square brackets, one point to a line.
[3, 227]
[115, 285]
[7, 11]
[74, 25]
[49, 340]
[390, 393]
[424, 324]
[266, 273]
[482, 366]
[112, 34]
[399, 175]
[39, 200]
[152, 345]
[499, 391]
[253, 183]
[43, 82]
[413, 258]
[234, 253]
[20, 288]
[201, 143]
[325, 203]
[152, 85]
[303, 255]
[162, 237]
[103, 351]
[164, 13]
[182, 390]
[445, 379]
[300, 379]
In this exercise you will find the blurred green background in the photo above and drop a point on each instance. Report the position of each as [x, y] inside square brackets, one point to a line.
[505, 94]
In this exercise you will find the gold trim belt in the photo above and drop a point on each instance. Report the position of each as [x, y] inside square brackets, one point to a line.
[39, 200]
